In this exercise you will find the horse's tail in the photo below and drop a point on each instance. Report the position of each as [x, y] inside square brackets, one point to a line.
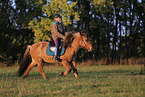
[25, 62]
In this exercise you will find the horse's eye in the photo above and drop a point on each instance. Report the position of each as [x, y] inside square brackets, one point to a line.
[87, 40]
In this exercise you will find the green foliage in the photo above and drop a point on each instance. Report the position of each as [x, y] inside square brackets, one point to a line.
[103, 8]
[100, 81]
[27, 10]
[12, 38]
[116, 27]
[42, 27]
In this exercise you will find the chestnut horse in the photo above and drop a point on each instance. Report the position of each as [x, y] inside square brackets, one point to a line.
[37, 52]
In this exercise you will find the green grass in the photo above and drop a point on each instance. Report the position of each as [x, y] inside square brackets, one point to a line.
[95, 81]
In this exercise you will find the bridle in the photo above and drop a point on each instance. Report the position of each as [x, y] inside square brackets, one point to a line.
[85, 43]
[81, 44]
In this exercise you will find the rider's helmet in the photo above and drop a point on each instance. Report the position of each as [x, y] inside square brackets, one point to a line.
[56, 16]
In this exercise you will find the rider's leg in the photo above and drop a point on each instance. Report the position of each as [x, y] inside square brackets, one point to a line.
[57, 45]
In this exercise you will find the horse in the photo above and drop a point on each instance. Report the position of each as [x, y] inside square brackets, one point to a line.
[36, 54]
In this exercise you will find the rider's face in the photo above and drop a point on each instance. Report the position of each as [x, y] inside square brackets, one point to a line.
[57, 19]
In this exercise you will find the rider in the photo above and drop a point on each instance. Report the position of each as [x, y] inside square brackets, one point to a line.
[57, 32]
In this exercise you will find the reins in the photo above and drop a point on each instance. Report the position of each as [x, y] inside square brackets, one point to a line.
[81, 43]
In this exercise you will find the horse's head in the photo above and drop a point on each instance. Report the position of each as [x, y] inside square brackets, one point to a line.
[77, 39]
[84, 42]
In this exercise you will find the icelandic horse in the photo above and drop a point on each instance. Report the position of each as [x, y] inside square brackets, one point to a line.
[36, 53]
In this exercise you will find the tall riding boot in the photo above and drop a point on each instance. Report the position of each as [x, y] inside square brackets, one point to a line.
[57, 59]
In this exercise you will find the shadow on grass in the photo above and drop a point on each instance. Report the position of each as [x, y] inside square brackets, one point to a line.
[87, 74]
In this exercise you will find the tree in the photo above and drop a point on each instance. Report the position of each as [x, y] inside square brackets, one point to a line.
[42, 27]
[27, 10]
[6, 26]
[101, 23]
[115, 27]
[14, 36]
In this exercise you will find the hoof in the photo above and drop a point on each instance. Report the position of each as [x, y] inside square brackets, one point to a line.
[25, 76]
[46, 78]
[77, 77]
[61, 74]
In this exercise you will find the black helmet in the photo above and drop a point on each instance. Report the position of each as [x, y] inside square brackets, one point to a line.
[56, 16]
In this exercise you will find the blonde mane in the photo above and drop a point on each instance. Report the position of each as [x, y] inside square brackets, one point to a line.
[68, 39]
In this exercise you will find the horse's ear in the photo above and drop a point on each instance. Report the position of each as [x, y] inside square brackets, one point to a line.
[83, 33]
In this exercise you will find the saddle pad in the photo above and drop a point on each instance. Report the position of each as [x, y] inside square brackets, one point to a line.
[50, 50]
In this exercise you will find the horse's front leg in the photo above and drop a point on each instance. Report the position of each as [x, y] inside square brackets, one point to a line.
[73, 66]
[68, 68]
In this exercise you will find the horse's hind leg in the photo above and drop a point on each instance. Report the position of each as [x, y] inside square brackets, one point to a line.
[40, 67]
[66, 65]
[33, 63]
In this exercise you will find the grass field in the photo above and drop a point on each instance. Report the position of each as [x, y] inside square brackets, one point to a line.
[95, 81]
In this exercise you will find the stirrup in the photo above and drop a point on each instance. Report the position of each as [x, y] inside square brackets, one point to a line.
[57, 59]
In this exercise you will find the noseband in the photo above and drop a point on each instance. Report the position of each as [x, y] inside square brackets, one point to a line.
[81, 44]
[85, 43]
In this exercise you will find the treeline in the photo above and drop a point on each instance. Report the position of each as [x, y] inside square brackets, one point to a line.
[116, 27]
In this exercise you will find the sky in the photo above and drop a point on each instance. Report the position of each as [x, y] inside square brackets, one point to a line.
[14, 2]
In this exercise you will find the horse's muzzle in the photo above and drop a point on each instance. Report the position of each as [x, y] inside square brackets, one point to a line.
[90, 49]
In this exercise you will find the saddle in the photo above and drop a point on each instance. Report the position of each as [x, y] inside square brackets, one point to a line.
[51, 48]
